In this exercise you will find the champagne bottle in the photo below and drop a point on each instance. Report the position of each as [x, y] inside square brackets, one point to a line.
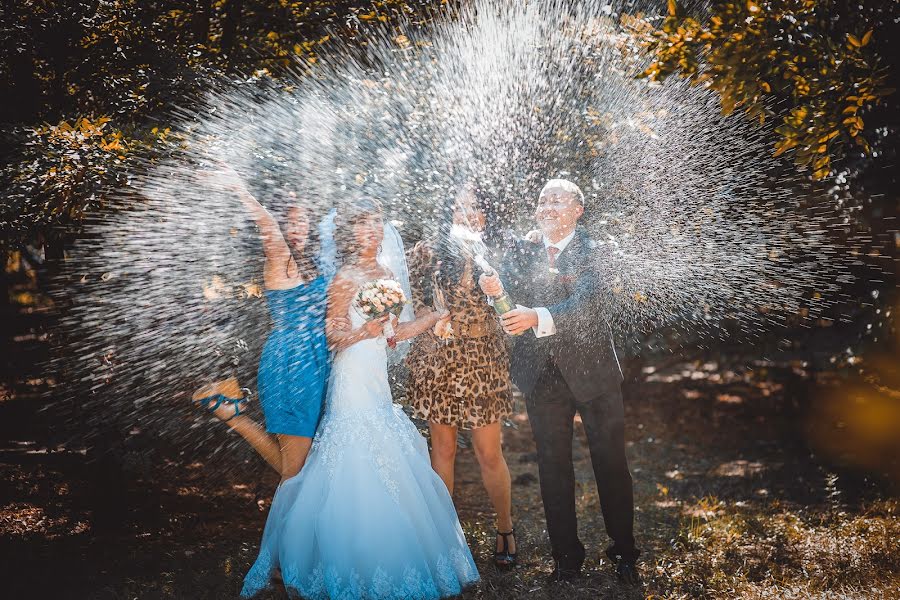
[502, 303]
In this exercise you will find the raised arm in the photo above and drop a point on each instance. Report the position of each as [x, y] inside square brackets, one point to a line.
[340, 295]
[274, 246]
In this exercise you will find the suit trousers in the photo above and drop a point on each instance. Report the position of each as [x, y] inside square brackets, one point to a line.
[551, 411]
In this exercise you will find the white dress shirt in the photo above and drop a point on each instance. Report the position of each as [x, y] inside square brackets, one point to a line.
[545, 325]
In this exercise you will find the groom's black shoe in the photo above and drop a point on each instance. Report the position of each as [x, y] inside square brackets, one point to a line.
[563, 575]
[626, 568]
[627, 572]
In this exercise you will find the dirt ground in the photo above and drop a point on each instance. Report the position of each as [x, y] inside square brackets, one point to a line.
[731, 502]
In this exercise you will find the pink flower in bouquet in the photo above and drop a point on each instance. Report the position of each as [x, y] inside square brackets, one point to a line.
[380, 297]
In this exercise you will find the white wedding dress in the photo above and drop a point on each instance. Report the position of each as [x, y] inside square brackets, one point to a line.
[367, 517]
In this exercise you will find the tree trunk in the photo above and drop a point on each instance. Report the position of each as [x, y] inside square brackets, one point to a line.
[20, 101]
[200, 22]
[4, 281]
[230, 26]
[54, 254]
[63, 53]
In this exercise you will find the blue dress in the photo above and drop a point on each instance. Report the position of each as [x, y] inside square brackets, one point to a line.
[293, 370]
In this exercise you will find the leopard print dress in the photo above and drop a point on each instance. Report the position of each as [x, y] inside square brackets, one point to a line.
[462, 381]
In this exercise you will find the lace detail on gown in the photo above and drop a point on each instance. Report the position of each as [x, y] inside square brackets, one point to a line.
[367, 517]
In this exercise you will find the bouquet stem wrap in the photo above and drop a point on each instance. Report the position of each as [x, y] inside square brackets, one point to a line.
[387, 330]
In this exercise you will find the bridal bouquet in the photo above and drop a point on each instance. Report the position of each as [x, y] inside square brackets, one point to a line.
[379, 298]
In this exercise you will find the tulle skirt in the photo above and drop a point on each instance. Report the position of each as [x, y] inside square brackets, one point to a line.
[367, 517]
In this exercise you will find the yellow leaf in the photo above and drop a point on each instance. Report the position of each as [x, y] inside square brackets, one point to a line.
[866, 37]
[252, 289]
[673, 8]
[853, 41]
[727, 105]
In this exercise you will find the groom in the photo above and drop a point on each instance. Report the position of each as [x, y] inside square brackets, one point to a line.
[569, 365]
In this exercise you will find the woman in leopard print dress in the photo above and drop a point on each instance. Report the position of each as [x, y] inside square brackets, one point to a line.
[459, 378]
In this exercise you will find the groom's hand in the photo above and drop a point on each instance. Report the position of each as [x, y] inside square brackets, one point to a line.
[519, 319]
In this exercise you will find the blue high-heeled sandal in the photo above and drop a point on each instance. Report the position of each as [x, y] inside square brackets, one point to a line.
[220, 399]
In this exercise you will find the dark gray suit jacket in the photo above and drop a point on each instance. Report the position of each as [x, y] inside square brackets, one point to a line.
[577, 298]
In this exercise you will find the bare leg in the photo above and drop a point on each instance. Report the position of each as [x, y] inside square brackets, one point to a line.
[255, 434]
[443, 452]
[263, 442]
[294, 450]
[487, 442]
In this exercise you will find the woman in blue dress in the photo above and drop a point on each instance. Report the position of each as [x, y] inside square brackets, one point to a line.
[294, 367]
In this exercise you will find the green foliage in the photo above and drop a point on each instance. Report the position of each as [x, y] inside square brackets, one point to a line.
[64, 170]
[812, 63]
[131, 61]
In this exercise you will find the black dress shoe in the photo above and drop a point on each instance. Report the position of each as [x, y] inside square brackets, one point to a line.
[627, 571]
[563, 575]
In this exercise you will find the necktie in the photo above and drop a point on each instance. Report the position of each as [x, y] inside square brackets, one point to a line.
[552, 252]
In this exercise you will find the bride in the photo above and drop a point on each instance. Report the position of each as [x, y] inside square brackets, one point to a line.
[367, 517]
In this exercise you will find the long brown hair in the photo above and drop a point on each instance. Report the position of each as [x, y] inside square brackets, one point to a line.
[304, 259]
[446, 251]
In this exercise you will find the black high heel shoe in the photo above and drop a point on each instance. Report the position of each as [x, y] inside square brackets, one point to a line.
[504, 559]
